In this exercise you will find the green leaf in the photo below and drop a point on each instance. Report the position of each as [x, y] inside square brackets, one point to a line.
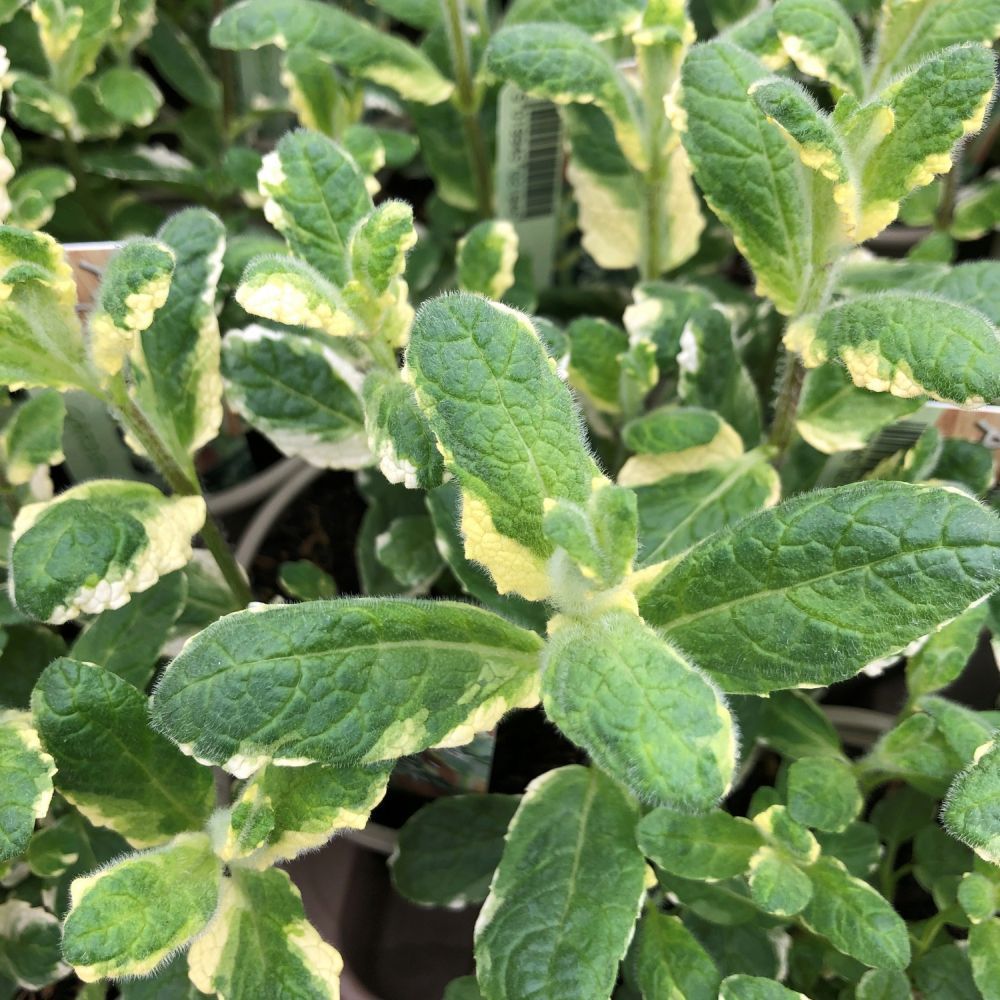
[32, 437]
[260, 940]
[408, 550]
[978, 897]
[561, 63]
[712, 374]
[169, 983]
[671, 440]
[111, 765]
[822, 793]
[763, 202]
[855, 918]
[883, 984]
[756, 988]
[710, 846]
[777, 884]
[570, 856]
[670, 963]
[95, 545]
[916, 751]
[831, 569]
[305, 581]
[29, 945]
[463, 988]
[680, 510]
[963, 729]
[945, 974]
[984, 954]
[41, 343]
[53, 849]
[299, 392]
[179, 62]
[937, 104]
[345, 41]
[33, 194]
[129, 640]
[507, 428]
[134, 286]
[641, 711]
[449, 850]
[290, 688]
[314, 192]
[858, 847]
[129, 96]
[486, 256]
[398, 434]
[822, 41]
[911, 31]
[790, 837]
[835, 415]
[127, 918]
[972, 809]
[283, 811]
[175, 372]
[977, 210]
[796, 726]
[891, 343]
[27, 784]
[314, 90]
[25, 653]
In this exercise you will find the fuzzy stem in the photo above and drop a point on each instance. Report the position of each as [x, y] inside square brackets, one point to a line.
[786, 405]
[466, 103]
[183, 483]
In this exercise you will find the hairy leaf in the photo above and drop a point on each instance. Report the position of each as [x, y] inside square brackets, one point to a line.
[449, 850]
[507, 428]
[711, 846]
[640, 710]
[284, 683]
[972, 809]
[125, 919]
[95, 545]
[822, 41]
[860, 571]
[27, 784]
[570, 856]
[111, 765]
[334, 35]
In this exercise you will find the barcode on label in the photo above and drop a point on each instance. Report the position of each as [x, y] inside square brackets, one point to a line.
[529, 174]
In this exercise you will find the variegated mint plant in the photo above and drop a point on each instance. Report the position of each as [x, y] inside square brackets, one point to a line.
[624, 521]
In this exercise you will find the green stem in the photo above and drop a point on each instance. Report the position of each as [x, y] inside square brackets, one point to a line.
[467, 104]
[183, 483]
[931, 930]
[656, 73]
[786, 406]
[945, 214]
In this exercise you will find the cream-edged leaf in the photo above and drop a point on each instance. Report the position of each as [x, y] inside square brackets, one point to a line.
[29, 945]
[175, 364]
[507, 429]
[134, 286]
[260, 942]
[822, 41]
[750, 177]
[563, 64]
[336, 36]
[92, 547]
[116, 770]
[570, 872]
[486, 256]
[27, 784]
[938, 103]
[32, 437]
[860, 571]
[125, 919]
[299, 392]
[642, 712]
[436, 673]
[909, 344]
[314, 193]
